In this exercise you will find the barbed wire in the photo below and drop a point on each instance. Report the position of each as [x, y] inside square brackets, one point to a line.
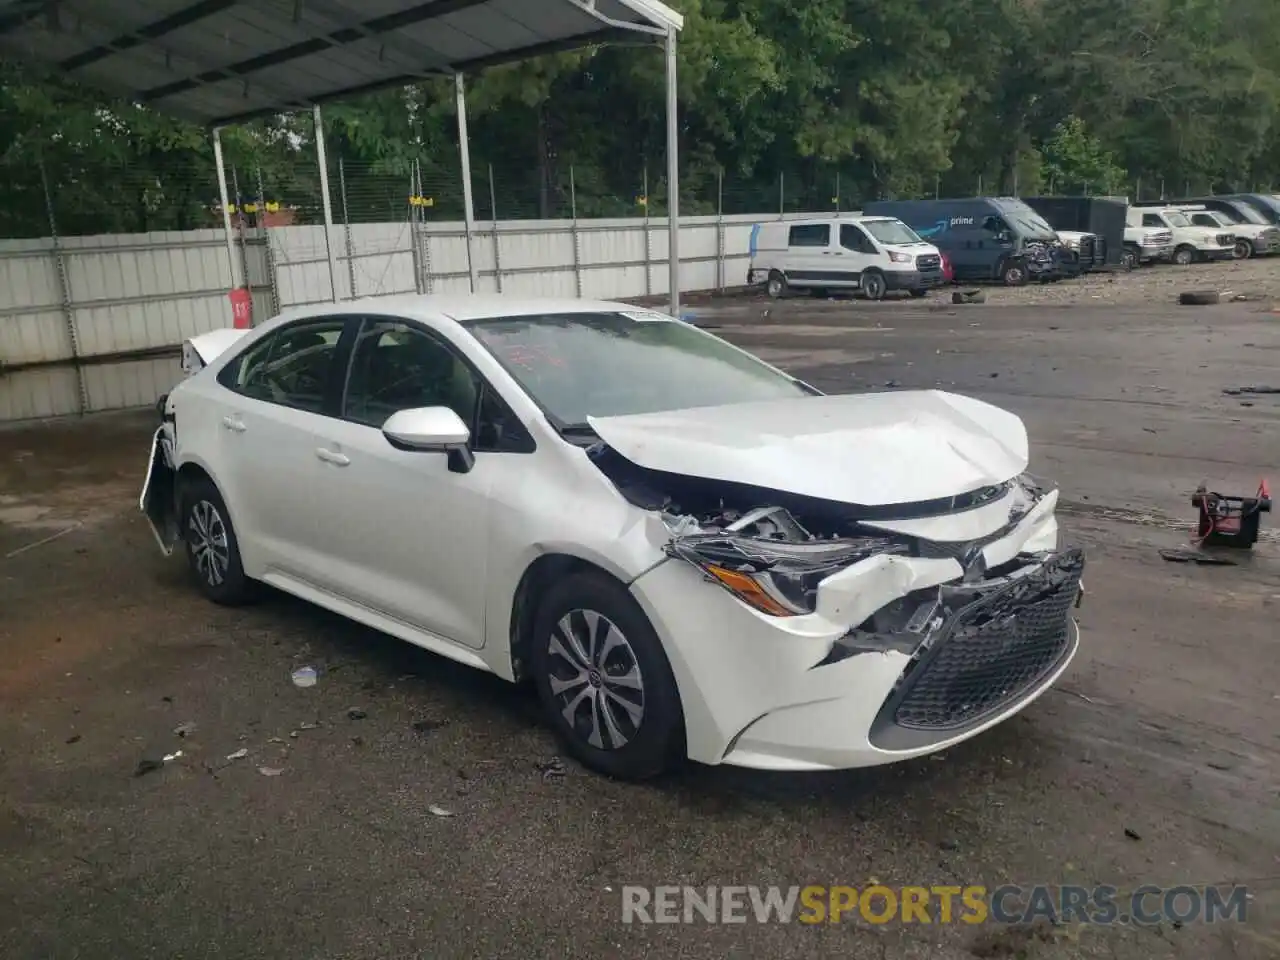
[181, 193]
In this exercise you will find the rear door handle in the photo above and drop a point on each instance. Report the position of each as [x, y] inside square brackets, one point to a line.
[233, 423]
[332, 456]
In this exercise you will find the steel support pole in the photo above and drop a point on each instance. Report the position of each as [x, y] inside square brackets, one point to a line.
[673, 177]
[328, 207]
[232, 260]
[469, 211]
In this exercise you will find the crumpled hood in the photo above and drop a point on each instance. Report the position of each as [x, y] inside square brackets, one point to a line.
[866, 449]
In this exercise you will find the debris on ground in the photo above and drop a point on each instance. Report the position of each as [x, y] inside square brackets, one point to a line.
[1199, 298]
[553, 769]
[1185, 555]
[439, 811]
[304, 677]
[1132, 834]
[151, 762]
[238, 755]
[1237, 391]
[271, 771]
[355, 713]
[185, 729]
[969, 296]
[426, 726]
[74, 738]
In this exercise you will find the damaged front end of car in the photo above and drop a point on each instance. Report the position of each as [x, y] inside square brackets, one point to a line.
[975, 625]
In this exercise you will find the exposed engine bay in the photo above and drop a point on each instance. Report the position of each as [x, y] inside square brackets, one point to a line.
[772, 549]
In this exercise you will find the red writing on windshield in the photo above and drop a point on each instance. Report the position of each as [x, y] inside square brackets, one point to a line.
[522, 355]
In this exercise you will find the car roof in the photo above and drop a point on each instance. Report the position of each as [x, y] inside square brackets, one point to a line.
[463, 307]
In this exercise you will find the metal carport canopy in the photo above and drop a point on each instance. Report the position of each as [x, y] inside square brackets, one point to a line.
[221, 62]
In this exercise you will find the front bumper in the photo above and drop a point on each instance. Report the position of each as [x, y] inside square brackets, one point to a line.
[811, 693]
[1161, 254]
[1217, 253]
[914, 279]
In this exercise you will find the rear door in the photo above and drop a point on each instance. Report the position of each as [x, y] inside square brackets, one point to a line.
[274, 402]
[809, 255]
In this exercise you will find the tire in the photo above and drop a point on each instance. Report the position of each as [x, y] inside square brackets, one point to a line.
[1129, 259]
[776, 285]
[1243, 250]
[1184, 256]
[1013, 274]
[622, 741]
[212, 549]
[873, 285]
[919, 293]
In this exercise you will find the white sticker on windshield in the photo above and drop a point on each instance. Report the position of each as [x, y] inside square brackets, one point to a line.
[645, 317]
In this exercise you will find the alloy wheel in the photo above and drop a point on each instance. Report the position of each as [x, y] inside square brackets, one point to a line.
[595, 679]
[208, 542]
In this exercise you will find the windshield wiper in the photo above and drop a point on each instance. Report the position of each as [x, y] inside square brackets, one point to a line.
[583, 430]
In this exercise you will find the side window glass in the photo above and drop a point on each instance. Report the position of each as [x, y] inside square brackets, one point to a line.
[993, 225]
[810, 235]
[497, 429]
[1152, 220]
[396, 366]
[1204, 220]
[292, 367]
[852, 238]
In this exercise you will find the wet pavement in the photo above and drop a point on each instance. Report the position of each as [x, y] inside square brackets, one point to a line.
[1155, 760]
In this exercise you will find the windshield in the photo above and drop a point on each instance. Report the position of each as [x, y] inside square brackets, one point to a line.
[1028, 223]
[891, 231]
[1176, 219]
[579, 365]
[1243, 213]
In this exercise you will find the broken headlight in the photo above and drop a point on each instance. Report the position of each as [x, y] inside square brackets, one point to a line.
[776, 577]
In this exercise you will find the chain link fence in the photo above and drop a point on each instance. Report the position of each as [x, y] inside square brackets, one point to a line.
[181, 193]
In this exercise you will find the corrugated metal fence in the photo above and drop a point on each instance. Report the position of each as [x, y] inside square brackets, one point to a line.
[96, 323]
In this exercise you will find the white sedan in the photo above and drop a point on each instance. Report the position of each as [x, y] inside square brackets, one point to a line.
[688, 551]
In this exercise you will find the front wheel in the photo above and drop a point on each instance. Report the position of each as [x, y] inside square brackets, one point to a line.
[1184, 256]
[1013, 274]
[873, 286]
[1129, 259]
[1243, 250]
[213, 551]
[604, 679]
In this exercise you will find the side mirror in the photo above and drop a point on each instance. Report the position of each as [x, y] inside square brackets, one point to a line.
[432, 429]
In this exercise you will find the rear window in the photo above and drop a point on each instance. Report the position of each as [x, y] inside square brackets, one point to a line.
[810, 235]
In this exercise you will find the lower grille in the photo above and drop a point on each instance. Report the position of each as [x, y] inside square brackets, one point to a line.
[928, 262]
[995, 649]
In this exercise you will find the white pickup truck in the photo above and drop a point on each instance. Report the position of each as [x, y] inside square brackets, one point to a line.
[1252, 239]
[1190, 243]
[1147, 245]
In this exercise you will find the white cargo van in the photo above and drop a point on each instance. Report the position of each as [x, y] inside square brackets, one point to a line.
[848, 252]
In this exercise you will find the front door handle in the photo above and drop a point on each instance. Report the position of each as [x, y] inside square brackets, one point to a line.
[332, 456]
[233, 423]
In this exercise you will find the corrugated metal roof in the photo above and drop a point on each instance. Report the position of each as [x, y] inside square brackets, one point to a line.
[218, 62]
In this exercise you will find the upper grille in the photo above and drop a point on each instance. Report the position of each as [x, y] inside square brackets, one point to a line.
[1086, 249]
[929, 261]
[995, 649]
[1100, 250]
[1225, 239]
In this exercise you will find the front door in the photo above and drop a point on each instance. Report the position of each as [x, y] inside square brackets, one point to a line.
[856, 252]
[407, 535]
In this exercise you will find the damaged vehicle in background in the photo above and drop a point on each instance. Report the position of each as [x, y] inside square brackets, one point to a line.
[690, 553]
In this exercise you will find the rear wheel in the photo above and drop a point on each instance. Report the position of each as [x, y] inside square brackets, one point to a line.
[604, 679]
[211, 546]
[776, 285]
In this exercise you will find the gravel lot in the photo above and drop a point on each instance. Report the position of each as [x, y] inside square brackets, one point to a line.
[1156, 760]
